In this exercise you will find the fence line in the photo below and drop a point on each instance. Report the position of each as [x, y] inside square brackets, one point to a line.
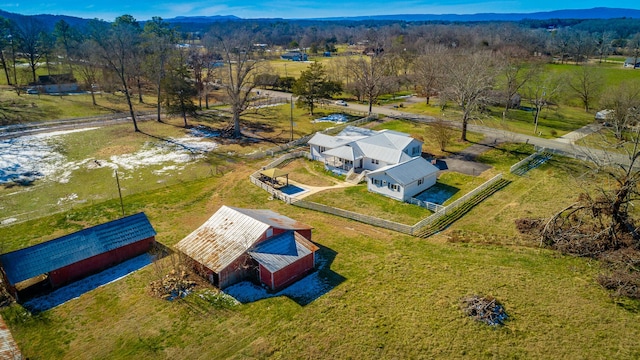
[371, 220]
[454, 205]
[425, 204]
[521, 163]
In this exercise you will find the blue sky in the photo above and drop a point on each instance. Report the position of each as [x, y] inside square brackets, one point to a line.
[289, 9]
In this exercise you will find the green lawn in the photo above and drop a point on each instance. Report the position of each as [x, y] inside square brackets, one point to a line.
[388, 295]
[393, 296]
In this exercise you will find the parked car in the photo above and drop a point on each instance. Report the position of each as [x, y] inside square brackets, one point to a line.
[341, 103]
[33, 91]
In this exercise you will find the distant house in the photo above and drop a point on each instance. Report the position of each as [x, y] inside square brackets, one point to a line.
[57, 262]
[294, 56]
[403, 181]
[61, 83]
[237, 244]
[632, 62]
[363, 149]
[603, 114]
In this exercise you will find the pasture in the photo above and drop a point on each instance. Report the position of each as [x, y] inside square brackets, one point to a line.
[385, 295]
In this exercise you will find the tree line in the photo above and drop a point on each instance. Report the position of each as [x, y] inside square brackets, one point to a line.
[469, 66]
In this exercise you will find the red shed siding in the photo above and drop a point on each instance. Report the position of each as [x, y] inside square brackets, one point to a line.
[96, 263]
[289, 274]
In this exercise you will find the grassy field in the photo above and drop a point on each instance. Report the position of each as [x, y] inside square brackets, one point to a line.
[26, 108]
[391, 296]
[388, 295]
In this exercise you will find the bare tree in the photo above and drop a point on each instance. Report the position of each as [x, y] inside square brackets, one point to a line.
[29, 33]
[515, 73]
[542, 90]
[427, 72]
[159, 40]
[237, 76]
[624, 101]
[87, 63]
[468, 80]
[441, 132]
[117, 46]
[369, 76]
[603, 43]
[586, 82]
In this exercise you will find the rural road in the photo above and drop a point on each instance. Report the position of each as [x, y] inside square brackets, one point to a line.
[563, 145]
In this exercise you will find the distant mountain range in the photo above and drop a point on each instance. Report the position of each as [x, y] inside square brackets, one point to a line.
[595, 13]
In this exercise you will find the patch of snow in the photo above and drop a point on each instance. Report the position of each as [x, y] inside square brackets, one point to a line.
[8, 221]
[304, 290]
[68, 198]
[80, 287]
[26, 159]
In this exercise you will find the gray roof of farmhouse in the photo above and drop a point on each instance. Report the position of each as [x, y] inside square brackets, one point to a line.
[407, 172]
[51, 255]
[347, 152]
[328, 141]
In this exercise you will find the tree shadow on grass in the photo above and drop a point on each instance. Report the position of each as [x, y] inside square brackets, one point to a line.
[304, 291]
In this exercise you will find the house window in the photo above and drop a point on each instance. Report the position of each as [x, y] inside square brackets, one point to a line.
[376, 182]
[394, 187]
[420, 181]
[416, 150]
[374, 161]
[322, 149]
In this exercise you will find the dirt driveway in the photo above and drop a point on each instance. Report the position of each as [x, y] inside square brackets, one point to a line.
[465, 161]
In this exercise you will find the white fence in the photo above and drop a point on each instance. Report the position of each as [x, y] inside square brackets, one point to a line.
[526, 160]
[425, 204]
[454, 205]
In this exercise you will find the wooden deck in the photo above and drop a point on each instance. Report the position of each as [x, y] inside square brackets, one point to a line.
[8, 347]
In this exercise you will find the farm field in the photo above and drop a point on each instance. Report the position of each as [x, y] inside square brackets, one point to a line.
[383, 294]
[377, 293]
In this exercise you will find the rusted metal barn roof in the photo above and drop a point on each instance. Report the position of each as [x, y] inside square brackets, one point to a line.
[282, 250]
[40, 259]
[229, 233]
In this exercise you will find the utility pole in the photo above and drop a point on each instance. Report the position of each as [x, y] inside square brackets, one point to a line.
[291, 117]
[120, 193]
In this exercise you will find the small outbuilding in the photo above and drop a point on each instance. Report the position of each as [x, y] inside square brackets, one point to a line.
[57, 262]
[237, 244]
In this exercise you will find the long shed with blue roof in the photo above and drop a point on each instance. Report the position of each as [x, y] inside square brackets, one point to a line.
[71, 257]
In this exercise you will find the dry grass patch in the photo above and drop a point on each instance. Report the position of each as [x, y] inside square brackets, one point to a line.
[309, 172]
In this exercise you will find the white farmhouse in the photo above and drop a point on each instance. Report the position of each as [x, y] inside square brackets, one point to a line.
[391, 161]
[362, 149]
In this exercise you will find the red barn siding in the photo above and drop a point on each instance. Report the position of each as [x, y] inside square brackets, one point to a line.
[97, 263]
[291, 273]
[240, 269]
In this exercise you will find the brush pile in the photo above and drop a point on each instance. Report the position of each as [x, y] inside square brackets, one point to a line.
[174, 285]
[484, 309]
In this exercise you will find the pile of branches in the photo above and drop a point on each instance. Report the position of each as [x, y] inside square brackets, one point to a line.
[174, 285]
[595, 227]
[484, 309]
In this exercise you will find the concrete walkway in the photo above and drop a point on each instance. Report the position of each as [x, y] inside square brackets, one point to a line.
[576, 135]
[8, 347]
[310, 190]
